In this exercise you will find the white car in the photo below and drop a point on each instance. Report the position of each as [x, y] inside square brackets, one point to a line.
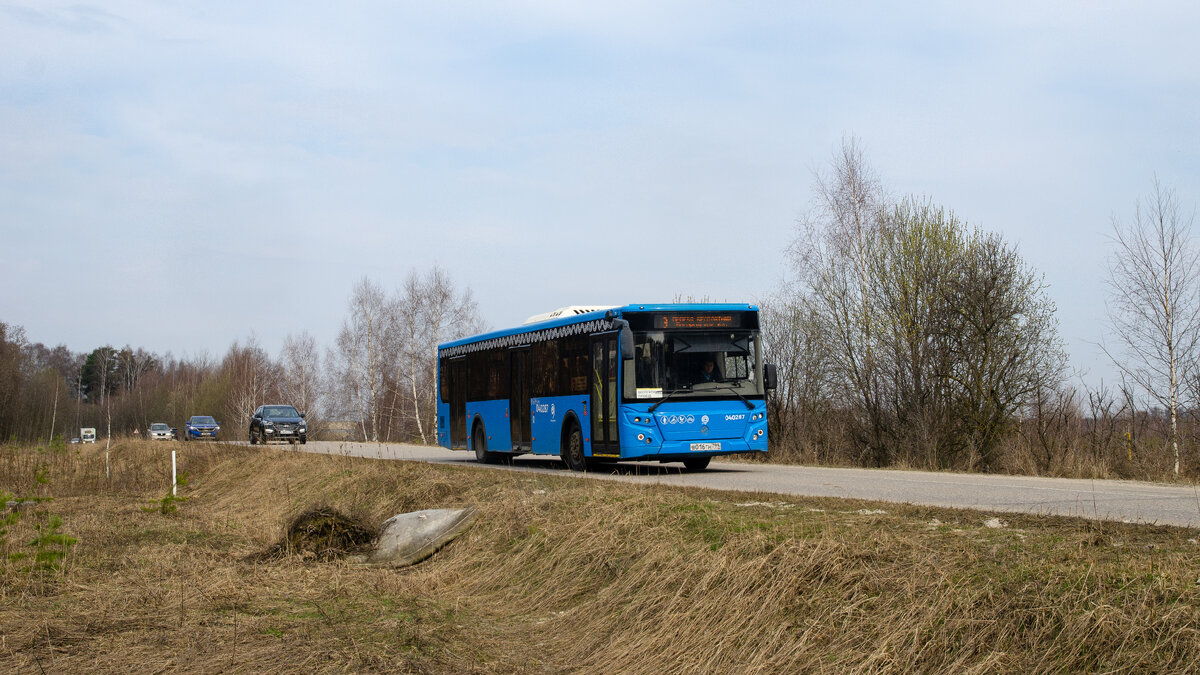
[159, 432]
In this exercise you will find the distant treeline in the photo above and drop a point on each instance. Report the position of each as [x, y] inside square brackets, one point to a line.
[379, 374]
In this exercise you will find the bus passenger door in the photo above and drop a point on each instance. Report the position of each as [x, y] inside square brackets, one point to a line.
[458, 402]
[604, 394]
[518, 402]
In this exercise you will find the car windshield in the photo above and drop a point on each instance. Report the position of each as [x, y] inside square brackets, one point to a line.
[202, 420]
[274, 412]
[158, 426]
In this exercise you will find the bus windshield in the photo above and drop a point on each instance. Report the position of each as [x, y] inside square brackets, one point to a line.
[696, 364]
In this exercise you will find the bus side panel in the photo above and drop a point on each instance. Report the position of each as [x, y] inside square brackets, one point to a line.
[443, 424]
[495, 423]
[546, 419]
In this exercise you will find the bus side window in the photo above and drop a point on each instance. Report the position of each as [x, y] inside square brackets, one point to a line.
[498, 373]
[545, 367]
[579, 375]
[574, 365]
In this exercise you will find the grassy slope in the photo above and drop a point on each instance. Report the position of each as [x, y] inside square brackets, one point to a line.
[562, 573]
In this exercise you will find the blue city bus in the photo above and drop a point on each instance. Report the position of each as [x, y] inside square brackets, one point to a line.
[671, 382]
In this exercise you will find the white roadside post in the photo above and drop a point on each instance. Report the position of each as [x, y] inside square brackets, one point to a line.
[173, 481]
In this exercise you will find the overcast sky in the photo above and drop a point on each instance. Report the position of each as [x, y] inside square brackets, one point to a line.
[177, 176]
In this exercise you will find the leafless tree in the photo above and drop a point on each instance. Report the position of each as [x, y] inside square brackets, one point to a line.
[249, 377]
[360, 356]
[831, 259]
[430, 310]
[1053, 415]
[12, 378]
[793, 342]
[299, 379]
[1154, 302]
[132, 364]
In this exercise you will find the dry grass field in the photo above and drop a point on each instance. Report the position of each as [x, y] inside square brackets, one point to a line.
[560, 574]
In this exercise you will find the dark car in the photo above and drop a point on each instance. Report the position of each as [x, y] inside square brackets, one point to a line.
[277, 423]
[201, 427]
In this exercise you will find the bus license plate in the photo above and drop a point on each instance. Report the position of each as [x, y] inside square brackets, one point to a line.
[704, 447]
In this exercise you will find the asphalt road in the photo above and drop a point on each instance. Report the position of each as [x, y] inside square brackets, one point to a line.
[1123, 501]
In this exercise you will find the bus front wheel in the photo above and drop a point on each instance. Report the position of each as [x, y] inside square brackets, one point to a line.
[479, 443]
[572, 452]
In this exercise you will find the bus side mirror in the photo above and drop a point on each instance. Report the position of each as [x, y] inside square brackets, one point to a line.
[770, 377]
[626, 339]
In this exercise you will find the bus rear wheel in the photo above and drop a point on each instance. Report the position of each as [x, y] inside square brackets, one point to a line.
[572, 452]
[696, 463]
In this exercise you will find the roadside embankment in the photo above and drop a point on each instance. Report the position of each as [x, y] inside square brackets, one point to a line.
[562, 574]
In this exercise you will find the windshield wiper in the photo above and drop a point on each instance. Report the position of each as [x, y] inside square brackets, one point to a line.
[668, 395]
[749, 405]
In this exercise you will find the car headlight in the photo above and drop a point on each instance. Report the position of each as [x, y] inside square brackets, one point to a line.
[303, 429]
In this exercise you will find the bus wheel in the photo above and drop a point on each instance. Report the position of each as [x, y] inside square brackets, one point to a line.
[696, 463]
[572, 452]
[479, 442]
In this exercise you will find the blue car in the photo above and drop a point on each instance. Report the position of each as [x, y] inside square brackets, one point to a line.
[201, 428]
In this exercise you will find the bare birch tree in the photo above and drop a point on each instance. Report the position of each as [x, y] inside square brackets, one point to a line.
[300, 375]
[831, 258]
[1154, 302]
[360, 355]
[430, 310]
[410, 367]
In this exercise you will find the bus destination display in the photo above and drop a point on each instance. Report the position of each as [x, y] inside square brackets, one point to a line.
[706, 320]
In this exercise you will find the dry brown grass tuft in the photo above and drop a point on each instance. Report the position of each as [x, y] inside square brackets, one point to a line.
[321, 533]
[559, 573]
